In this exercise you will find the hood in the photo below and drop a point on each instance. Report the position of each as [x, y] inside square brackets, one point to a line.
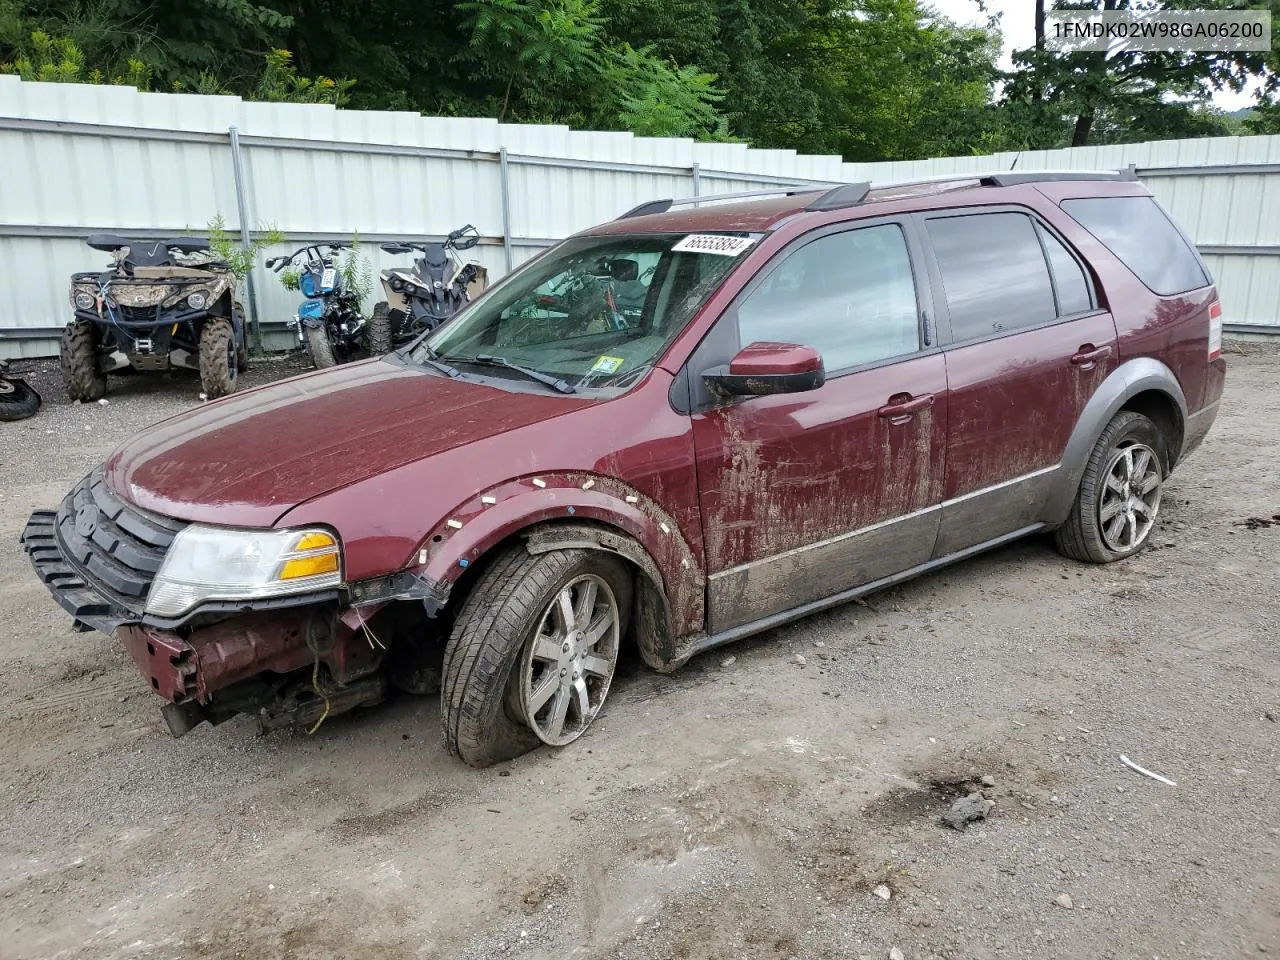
[251, 457]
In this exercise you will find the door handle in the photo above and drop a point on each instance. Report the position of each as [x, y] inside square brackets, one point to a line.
[1088, 354]
[902, 406]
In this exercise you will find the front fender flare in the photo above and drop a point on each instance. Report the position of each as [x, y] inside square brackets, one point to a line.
[1125, 382]
[585, 502]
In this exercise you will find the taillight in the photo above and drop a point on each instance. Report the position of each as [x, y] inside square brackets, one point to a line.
[1215, 330]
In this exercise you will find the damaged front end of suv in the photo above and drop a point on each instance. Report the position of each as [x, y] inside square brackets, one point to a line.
[221, 621]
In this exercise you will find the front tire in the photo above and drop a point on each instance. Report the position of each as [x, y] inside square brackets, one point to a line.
[218, 367]
[78, 357]
[1116, 507]
[319, 349]
[380, 330]
[533, 653]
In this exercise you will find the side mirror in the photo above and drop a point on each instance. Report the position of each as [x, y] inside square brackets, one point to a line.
[397, 247]
[760, 369]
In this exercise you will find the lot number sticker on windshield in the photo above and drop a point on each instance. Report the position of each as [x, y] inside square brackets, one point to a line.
[713, 243]
[607, 365]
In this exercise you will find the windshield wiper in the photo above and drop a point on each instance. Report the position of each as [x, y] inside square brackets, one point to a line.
[432, 358]
[489, 360]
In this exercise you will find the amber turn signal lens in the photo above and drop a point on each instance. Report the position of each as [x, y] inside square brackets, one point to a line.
[314, 541]
[309, 566]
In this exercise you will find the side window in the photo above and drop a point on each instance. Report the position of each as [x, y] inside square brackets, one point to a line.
[994, 273]
[1138, 232]
[851, 296]
[1068, 277]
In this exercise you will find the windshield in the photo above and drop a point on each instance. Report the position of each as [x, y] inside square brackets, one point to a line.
[594, 312]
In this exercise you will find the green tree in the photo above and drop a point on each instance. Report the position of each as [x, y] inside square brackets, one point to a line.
[549, 46]
[1120, 96]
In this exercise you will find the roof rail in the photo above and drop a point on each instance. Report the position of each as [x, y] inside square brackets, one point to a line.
[662, 206]
[1009, 178]
[851, 194]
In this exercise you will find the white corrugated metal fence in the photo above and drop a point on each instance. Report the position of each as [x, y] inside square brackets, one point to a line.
[77, 159]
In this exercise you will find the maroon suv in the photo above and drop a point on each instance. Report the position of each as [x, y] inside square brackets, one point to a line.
[672, 430]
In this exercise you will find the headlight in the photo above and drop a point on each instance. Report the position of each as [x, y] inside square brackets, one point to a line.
[217, 563]
[85, 301]
[196, 301]
[396, 283]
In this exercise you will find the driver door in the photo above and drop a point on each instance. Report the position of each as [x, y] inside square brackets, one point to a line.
[805, 495]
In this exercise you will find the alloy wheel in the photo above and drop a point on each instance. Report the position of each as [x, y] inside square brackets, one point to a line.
[568, 664]
[1130, 498]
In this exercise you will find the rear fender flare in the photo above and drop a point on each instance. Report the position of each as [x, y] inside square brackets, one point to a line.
[580, 510]
[1125, 382]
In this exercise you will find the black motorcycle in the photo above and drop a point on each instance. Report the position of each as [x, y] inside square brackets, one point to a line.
[18, 399]
[328, 323]
[440, 284]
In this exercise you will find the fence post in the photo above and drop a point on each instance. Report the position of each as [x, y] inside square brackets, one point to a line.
[696, 170]
[503, 175]
[242, 211]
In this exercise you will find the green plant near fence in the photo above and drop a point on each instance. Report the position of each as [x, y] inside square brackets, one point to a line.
[226, 247]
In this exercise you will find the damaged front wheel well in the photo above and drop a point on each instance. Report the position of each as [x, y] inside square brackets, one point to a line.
[651, 615]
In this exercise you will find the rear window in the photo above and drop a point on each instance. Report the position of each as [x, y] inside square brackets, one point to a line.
[1137, 231]
[994, 273]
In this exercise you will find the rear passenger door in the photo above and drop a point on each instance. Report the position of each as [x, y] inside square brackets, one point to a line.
[1026, 347]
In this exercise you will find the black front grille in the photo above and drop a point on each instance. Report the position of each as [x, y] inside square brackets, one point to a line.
[139, 314]
[116, 547]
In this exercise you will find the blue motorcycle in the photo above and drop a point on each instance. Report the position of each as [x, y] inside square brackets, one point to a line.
[328, 323]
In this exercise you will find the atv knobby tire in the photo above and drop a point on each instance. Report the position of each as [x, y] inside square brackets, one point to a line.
[380, 330]
[318, 346]
[1080, 538]
[218, 367]
[481, 725]
[78, 357]
[242, 351]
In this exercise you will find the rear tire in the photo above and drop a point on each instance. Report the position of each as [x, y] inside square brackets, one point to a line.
[380, 330]
[318, 347]
[78, 357]
[1118, 502]
[218, 367]
[480, 700]
[17, 400]
[242, 350]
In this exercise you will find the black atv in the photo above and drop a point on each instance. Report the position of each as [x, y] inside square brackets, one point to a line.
[164, 304]
[440, 284]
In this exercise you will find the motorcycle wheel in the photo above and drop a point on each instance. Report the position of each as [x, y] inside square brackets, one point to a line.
[218, 367]
[318, 347]
[78, 357]
[380, 330]
[17, 400]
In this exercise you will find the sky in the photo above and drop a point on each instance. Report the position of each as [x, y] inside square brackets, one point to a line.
[1019, 29]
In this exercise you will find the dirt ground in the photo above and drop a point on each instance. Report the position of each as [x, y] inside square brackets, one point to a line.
[746, 807]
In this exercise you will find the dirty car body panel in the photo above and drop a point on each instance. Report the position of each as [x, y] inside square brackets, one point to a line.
[946, 416]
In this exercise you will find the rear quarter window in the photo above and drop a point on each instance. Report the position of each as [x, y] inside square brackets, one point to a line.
[1143, 237]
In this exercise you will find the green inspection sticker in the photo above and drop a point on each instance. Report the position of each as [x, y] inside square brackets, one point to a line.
[608, 365]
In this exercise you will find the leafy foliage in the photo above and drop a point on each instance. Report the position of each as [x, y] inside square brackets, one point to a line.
[1124, 96]
[867, 79]
[224, 246]
[280, 83]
